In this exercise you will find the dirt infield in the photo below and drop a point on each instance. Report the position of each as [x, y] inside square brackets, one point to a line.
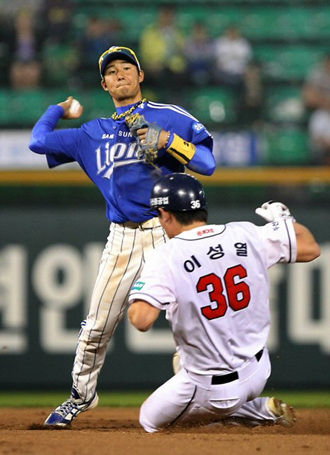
[117, 431]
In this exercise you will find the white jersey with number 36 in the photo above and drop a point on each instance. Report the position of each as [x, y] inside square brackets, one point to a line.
[213, 283]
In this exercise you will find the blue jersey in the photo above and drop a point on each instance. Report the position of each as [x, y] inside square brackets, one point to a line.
[108, 153]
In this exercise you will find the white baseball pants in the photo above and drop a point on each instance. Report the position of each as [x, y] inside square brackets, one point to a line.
[121, 263]
[191, 399]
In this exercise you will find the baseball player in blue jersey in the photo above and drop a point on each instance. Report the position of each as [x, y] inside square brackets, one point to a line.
[124, 155]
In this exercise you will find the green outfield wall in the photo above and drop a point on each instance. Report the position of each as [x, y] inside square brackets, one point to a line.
[49, 253]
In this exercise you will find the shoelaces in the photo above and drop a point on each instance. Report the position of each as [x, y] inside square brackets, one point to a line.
[67, 407]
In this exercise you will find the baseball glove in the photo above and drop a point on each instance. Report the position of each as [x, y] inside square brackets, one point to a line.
[148, 150]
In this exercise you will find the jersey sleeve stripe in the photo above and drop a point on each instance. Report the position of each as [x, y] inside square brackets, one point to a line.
[171, 107]
[292, 240]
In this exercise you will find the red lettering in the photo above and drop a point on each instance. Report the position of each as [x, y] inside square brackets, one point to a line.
[205, 231]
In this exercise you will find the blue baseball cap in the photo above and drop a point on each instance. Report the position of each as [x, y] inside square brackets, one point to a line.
[117, 52]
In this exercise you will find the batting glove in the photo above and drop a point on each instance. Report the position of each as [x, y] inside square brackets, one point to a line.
[274, 211]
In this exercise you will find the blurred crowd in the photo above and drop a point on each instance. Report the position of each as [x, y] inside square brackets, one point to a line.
[36, 37]
[49, 44]
[48, 47]
[316, 95]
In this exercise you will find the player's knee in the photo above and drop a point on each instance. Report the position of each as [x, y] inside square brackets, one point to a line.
[92, 335]
[146, 423]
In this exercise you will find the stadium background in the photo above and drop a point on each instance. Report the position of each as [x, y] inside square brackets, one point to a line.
[53, 223]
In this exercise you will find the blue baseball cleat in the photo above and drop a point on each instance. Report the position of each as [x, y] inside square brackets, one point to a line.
[70, 409]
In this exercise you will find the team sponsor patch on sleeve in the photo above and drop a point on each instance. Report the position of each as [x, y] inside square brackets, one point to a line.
[198, 127]
[138, 286]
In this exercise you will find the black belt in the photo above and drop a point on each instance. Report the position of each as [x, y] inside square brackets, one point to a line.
[144, 225]
[224, 379]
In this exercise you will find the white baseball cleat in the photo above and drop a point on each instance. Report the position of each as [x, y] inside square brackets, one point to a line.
[70, 409]
[284, 414]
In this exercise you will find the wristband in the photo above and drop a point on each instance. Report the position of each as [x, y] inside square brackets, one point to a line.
[182, 150]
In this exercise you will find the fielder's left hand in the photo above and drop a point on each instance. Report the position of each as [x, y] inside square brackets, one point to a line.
[151, 137]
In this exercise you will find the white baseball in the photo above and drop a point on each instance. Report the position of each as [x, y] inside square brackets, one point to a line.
[75, 105]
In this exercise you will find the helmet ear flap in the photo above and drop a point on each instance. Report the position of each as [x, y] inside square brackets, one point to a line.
[178, 192]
